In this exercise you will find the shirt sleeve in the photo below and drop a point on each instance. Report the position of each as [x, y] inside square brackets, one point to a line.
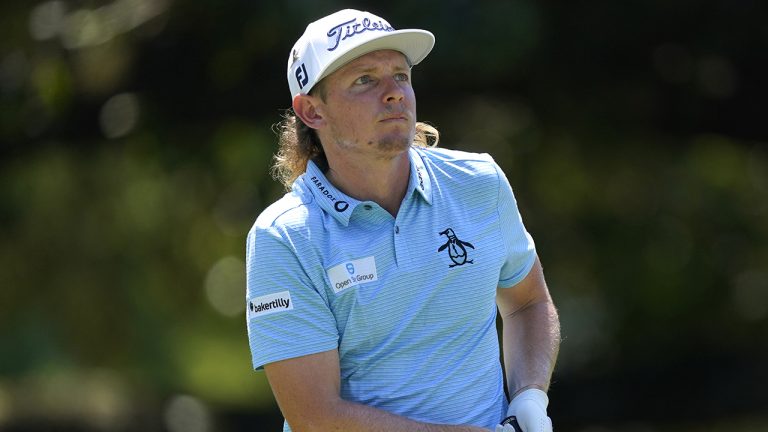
[287, 315]
[521, 250]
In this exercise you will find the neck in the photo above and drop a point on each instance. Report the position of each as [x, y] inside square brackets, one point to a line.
[383, 180]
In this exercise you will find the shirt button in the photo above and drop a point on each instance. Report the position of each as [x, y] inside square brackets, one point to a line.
[367, 207]
[397, 230]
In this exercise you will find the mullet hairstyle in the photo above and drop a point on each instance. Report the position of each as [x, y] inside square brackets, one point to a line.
[299, 143]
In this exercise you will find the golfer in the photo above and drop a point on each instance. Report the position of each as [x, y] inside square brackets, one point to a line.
[373, 285]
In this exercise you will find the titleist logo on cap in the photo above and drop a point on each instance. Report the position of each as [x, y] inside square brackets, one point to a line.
[333, 41]
[351, 28]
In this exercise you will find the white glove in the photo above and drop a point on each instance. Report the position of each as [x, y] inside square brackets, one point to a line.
[530, 408]
[505, 428]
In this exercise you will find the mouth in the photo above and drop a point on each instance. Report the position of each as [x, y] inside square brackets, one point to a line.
[394, 118]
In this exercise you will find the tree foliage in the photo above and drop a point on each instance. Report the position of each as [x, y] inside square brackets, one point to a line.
[136, 142]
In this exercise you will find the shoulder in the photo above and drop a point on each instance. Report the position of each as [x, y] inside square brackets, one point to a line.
[288, 210]
[295, 212]
[445, 156]
[470, 169]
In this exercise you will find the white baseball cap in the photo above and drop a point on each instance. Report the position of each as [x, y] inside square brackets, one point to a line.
[332, 41]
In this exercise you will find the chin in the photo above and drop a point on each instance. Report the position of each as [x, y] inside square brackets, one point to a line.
[395, 144]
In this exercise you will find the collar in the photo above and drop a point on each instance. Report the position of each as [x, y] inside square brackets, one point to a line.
[335, 202]
[341, 206]
[420, 180]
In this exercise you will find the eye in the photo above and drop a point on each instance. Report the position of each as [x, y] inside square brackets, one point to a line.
[365, 79]
[402, 77]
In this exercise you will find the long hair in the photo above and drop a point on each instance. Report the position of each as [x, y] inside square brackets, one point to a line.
[298, 144]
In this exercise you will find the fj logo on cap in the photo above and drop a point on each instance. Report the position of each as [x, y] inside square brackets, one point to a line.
[301, 76]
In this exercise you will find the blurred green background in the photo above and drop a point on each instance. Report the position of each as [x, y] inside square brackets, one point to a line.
[136, 139]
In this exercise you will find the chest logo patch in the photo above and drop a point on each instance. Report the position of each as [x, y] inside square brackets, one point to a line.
[352, 273]
[457, 249]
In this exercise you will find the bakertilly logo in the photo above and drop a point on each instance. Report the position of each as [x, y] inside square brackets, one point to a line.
[339, 205]
[269, 304]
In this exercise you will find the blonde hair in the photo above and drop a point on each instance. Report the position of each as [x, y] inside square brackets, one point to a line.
[298, 144]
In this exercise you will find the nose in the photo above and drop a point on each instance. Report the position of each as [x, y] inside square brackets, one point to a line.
[394, 91]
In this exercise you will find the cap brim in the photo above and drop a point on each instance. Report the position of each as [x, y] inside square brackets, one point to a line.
[414, 43]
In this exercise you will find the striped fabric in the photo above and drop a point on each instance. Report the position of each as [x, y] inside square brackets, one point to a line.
[409, 302]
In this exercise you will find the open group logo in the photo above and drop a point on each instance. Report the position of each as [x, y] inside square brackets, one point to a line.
[351, 273]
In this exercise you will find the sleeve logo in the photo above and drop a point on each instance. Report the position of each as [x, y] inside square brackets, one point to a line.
[269, 304]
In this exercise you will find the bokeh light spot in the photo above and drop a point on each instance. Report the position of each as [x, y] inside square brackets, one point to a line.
[225, 286]
[46, 20]
[187, 414]
[750, 295]
[119, 115]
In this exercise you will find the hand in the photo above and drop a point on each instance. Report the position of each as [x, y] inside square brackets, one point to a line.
[509, 424]
[530, 408]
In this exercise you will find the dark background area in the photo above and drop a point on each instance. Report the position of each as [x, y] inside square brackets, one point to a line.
[135, 142]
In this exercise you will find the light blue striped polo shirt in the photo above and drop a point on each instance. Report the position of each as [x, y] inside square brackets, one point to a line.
[408, 301]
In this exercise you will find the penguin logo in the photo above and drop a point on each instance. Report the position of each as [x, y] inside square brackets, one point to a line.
[456, 249]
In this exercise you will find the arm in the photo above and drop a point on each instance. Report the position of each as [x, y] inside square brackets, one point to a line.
[531, 332]
[307, 391]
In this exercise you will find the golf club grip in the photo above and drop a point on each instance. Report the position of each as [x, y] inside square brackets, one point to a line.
[512, 420]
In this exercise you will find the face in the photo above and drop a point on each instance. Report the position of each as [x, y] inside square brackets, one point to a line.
[369, 105]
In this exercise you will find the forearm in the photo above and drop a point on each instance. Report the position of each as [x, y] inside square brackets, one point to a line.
[307, 390]
[531, 341]
[350, 416]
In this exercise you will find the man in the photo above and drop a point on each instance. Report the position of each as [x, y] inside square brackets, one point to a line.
[373, 284]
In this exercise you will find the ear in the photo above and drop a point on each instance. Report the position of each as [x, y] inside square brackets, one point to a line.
[306, 108]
